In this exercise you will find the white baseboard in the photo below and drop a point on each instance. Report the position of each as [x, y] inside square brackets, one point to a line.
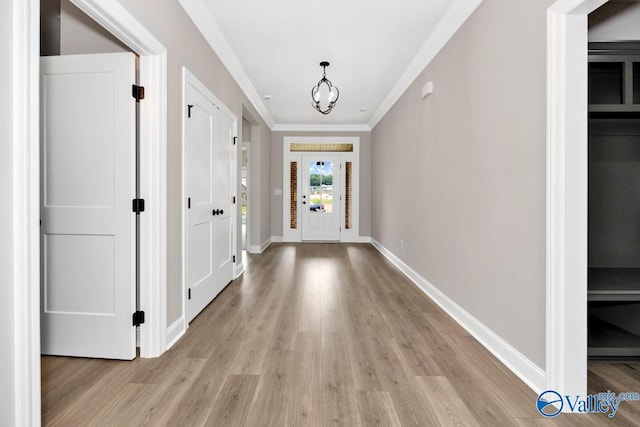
[357, 239]
[263, 247]
[525, 369]
[176, 331]
[238, 269]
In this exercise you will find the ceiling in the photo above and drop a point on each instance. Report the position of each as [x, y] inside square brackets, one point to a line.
[273, 49]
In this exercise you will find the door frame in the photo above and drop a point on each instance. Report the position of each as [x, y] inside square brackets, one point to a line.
[189, 78]
[26, 199]
[566, 240]
[246, 146]
[295, 235]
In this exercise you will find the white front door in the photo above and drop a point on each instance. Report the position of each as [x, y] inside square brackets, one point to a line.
[209, 138]
[87, 187]
[320, 196]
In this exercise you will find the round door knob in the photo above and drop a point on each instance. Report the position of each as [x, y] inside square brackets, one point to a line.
[221, 212]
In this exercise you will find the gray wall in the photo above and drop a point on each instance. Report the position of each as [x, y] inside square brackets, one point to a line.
[277, 144]
[462, 172]
[7, 333]
[80, 34]
[49, 27]
[168, 22]
[246, 130]
[615, 21]
[265, 185]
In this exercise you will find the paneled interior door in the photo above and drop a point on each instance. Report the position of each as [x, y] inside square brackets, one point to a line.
[209, 138]
[87, 188]
[320, 197]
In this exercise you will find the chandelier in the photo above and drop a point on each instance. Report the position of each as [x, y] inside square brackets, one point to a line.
[324, 92]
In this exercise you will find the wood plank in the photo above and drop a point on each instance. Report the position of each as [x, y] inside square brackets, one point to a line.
[232, 405]
[273, 394]
[305, 408]
[444, 402]
[376, 409]
[199, 400]
[315, 334]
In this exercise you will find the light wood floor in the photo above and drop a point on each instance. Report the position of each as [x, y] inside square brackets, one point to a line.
[314, 334]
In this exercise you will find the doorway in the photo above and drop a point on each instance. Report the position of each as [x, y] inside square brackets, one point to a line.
[321, 189]
[124, 26]
[88, 180]
[566, 248]
[89, 177]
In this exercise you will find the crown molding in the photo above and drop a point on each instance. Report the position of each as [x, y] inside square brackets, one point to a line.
[208, 26]
[452, 20]
[321, 128]
[206, 23]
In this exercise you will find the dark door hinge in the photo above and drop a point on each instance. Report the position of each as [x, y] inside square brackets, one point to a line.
[235, 140]
[137, 92]
[189, 293]
[189, 107]
[233, 200]
[189, 203]
[234, 258]
[138, 318]
[138, 206]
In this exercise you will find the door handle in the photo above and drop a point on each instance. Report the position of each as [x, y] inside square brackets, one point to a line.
[221, 212]
[304, 203]
[215, 212]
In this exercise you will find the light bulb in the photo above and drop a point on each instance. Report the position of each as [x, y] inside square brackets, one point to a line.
[332, 94]
[316, 97]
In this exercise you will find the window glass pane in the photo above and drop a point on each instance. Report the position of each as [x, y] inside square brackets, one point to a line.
[293, 196]
[321, 186]
[322, 148]
[347, 195]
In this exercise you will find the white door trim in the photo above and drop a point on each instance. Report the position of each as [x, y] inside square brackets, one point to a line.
[25, 145]
[566, 241]
[26, 210]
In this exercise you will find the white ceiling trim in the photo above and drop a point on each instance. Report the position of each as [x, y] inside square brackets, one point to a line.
[208, 26]
[321, 128]
[452, 20]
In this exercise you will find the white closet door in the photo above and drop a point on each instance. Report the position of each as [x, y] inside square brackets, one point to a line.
[88, 184]
[208, 174]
